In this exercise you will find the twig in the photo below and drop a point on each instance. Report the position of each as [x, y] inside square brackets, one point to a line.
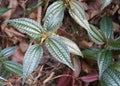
[39, 14]
[48, 79]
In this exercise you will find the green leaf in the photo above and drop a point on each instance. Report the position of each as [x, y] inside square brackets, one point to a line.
[3, 10]
[96, 36]
[77, 13]
[31, 60]
[110, 78]
[114, 45]
[7, 52]
[115, 66]
[54, 16]
[106, 27]
[91, 53]
[33, 7]
[13, 67]
[105, 3]
[73, 48]
[4, 73]
[28, 26]
[58, 50]
[104, 60]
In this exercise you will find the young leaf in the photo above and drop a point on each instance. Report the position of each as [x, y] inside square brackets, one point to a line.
[95, 35]
[104, 60]
[28, 26]
[13, 67]
[73, 48]
[32, 8]
[91, 53]
[115, 44]
[3, 10]
[31, 59]
[105, 3]
[115, 66]
[77, 13]
[54, 16]
[106, 27]
[58, 49]
[7, 52]
[110, 78]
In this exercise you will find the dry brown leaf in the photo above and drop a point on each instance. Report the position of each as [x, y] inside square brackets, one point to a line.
[12, 4]
[23, 46]
[17, 56]
[77, 66]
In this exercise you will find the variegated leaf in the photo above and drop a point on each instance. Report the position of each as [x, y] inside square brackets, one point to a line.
[73, 48]
[110, 78]
[106, 27]
[96, 36]
[31, 59]
[28, 26]
[105, 3]
[104, 60]
[77, 13]
[5, 53]
[58, 49]
[54, 16]
[13, 67]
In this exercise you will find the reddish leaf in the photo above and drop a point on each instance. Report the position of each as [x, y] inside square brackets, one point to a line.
[90, 78]
[65, 81]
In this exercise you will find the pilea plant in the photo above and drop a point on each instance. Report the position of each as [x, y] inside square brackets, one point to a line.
[7, 67]
[58, 46]
[108, 70]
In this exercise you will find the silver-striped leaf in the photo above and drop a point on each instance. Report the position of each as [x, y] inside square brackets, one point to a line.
[96, 36]
[28, 26]
[105, 3]
[104, 60]
[59, 50]
[76, 11]
[54, 16]
[73, 48]
[106, 27]
[13, 67]
[110, 78]
[7, 52]
[31, 59]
